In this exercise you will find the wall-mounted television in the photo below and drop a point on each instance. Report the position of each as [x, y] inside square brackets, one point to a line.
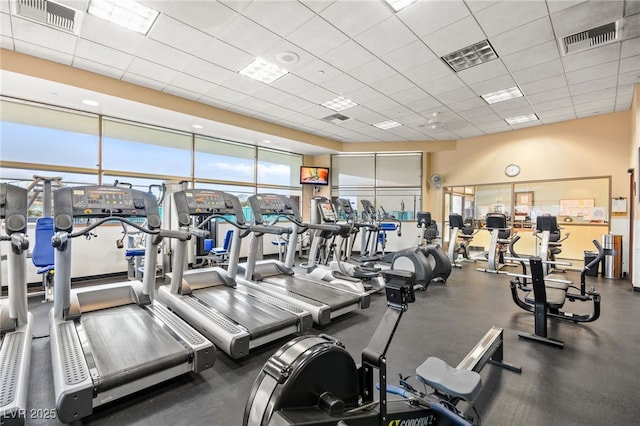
[314, 175]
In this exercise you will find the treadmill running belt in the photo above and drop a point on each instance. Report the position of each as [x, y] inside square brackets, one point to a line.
[313, 290]
[258, 317]
[127, 343]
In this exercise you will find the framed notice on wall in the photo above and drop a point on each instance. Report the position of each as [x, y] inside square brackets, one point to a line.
[577, 207]
[619, 206]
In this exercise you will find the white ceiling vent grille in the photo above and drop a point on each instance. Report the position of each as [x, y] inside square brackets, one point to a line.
[591, 38]
[336, 118]
[49, 13]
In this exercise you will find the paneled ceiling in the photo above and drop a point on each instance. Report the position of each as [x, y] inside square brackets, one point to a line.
[388, 63]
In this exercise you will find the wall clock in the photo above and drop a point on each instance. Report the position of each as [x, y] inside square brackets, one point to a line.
[512, 170]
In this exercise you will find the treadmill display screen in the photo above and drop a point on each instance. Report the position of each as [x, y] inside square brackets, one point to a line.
[271, 203]
[102, 198]
[327, 212]
[205, 200]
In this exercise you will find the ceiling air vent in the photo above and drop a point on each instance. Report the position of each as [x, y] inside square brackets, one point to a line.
[49, 13]
[593, 37]
[336, 118]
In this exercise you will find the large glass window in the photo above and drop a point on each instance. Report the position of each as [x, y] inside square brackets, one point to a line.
[392, 182]
[145, 150]
[278, 168]
[48, 136]
[218, 160]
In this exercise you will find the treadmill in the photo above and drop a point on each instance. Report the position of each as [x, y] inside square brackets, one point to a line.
[235, 317]
[16, 322]
[322, 299]
[111, 340]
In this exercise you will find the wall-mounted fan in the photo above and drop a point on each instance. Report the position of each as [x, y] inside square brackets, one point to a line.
[436, 180]
[434, 122]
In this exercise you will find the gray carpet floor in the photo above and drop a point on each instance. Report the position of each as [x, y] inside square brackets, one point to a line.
[595, 380]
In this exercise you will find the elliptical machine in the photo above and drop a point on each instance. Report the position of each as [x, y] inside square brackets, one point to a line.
[294, 387]
[440, 263]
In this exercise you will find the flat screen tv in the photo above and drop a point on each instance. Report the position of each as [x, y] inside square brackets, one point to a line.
[314, 175]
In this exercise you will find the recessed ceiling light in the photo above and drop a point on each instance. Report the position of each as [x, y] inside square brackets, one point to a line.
[90, 102]
[128, 14]
[263, 71]
[470, 56]
[196, 126]
[389, 124]
[266, 141]
[521, 119]
[339, 104]
[502, 95]
[398, 5]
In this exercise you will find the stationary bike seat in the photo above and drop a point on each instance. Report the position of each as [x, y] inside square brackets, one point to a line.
[464, 384]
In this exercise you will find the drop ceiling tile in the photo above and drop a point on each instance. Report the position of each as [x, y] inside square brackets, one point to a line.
[347, 16]
[425, 17]
[40, 35]
[519, 104]
[224, 55]
[108, 34]
[630, 47]
[386, 36]
[630, 64]
[371, 72]
[348, 56]
[175, 34]
[526, 125]
[606, 93]
[486, 71]
[296, 103]
[585, 15]
[494, 127]
[409, 56]
[493, 85]
[280, 16]
[476, 112]
[292, 84]
[160, 53]
[317, 95]
[559, 118]
[467, 104]
[595, 72]
[343, 85]
[237, 5]
[142, 67]
[272, 94]
[593, 85]
[442, 85]
[225, 95]
[143, 81]
[426, 73]
[549, 95]
[595, 108]
[214, 102]
[536, 55]
[256, 104]
[553, 105]
[543, 85]
[244, 84]
[246, 35]
[538, 72]
[5, 25]
[558, 5]
[591, 57]
[192, 84]
[5, 8]
[478, 5]
[629, 78]
[6, 42]
[392, 84]
[98, 53]
[98, 68]
[43, 52]
[492, 117]
[317, 36]
[563, 112]
[354, 112]
[523, 37]
[207, 71]
[317, 5]
[382, 104]
[318, 72]
[456, 95]
[410, 94]
[208, 16]
[455, 36]
[631, 27]
[317, 111]
[424, 105]
[298, 118]
[506, 15]
[364, 94]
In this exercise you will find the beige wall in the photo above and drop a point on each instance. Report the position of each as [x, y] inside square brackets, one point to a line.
[634, 162]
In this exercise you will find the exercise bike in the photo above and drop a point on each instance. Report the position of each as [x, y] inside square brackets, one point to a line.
[440, 263]
[313, 380]
[460, 238]
[546, 295]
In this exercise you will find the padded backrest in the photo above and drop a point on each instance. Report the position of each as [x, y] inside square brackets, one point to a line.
[43, 252]
[548, 223]
[455, 221]
[496, 220]
[227, 239]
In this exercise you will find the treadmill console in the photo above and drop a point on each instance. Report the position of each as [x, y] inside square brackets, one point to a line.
[368, 208]
[272, 204]
[345, 206]
[98, 201]
[13, 208]
[206, 202]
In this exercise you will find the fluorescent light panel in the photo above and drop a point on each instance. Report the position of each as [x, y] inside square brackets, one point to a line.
[502, 95]
[470, 56]
[263, 71]
[128, 14]
[521, 119]
[398, 5]
[389, 124]
[339, 104]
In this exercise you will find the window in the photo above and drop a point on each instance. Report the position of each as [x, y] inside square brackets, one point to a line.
[226, 161]
[278, 168]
